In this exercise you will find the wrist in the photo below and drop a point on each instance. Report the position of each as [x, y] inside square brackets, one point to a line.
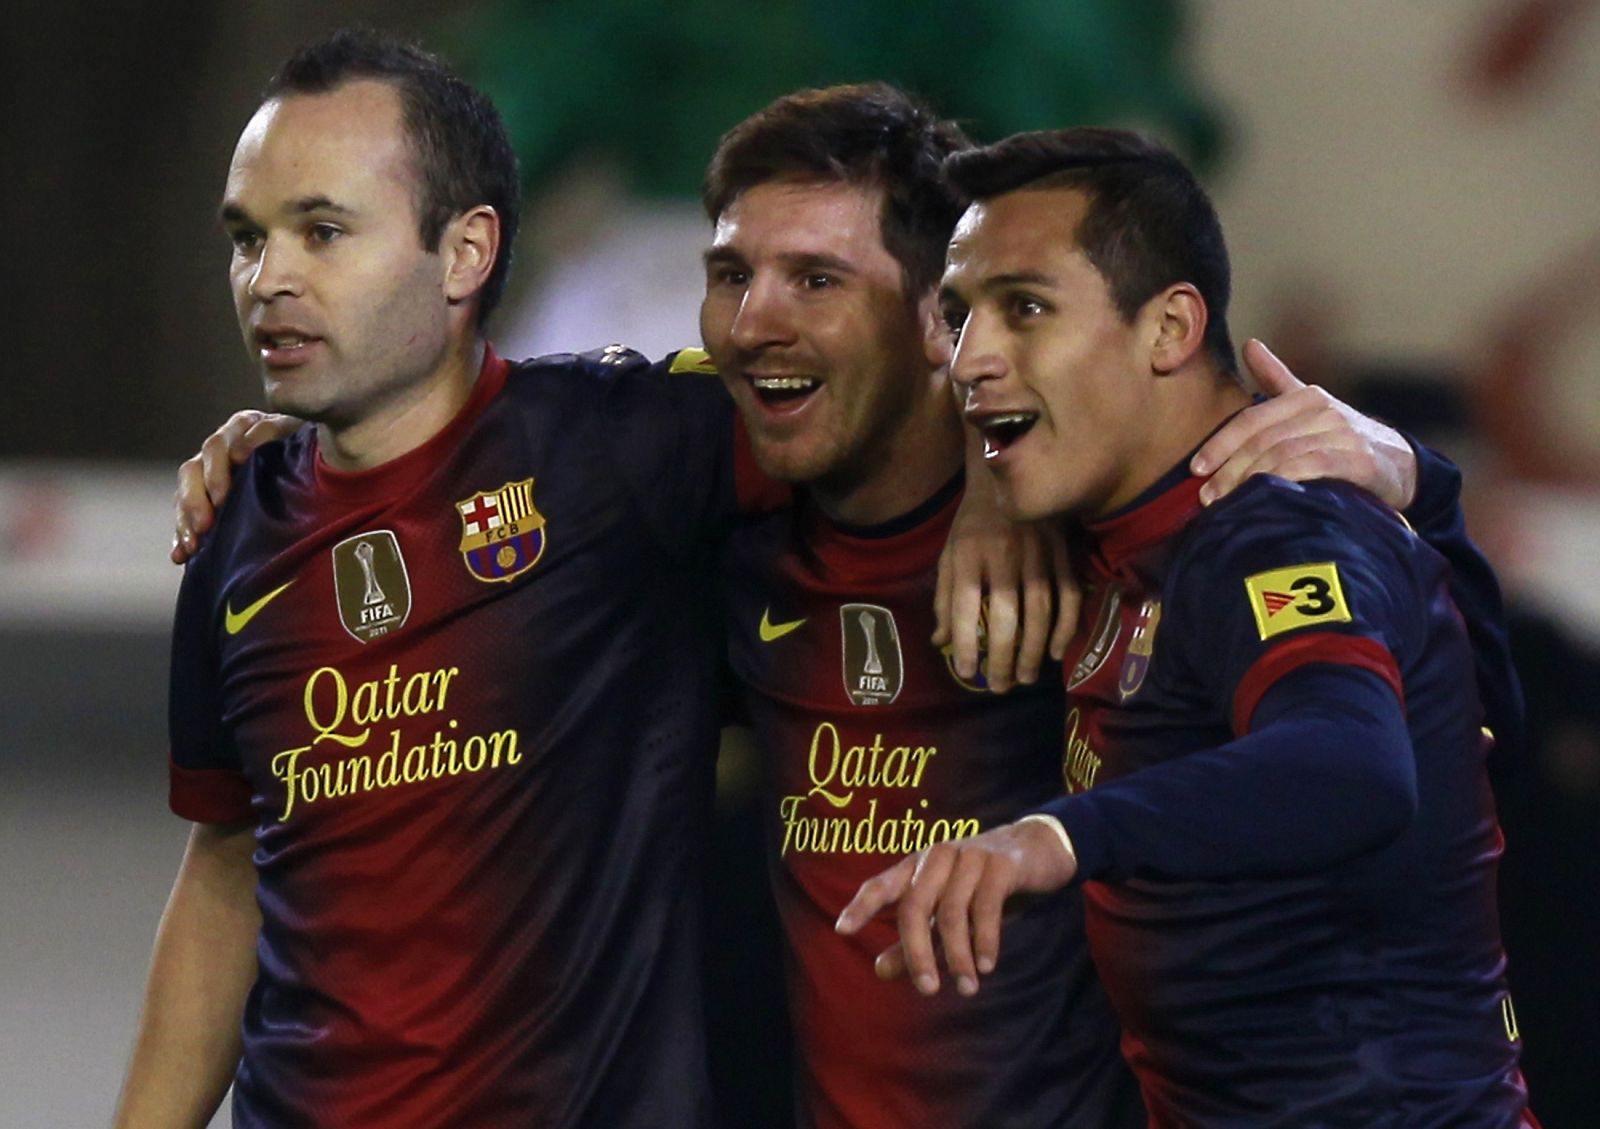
[1058, 858]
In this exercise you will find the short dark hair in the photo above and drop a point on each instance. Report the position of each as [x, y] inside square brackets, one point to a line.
[464, 157]
[1148, 225]
[870, 135]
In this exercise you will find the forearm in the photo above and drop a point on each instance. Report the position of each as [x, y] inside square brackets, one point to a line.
[204, 963]
[1326, 774]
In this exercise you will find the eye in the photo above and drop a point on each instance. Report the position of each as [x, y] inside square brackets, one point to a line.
[954, 319]
[816, 280]
[323, 233]
[1024, 306]
[728, 275]
[244, 239]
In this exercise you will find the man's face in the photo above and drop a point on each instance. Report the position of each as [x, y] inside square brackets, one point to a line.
[1055, 380]
[338, 301]
[807, 320]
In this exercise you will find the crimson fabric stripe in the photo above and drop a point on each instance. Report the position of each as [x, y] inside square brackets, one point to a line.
[1316, 647]
[757, 493]
[208, 795]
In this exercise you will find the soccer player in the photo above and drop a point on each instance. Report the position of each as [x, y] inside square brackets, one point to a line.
[438, 893]
[1274, 759]
[831, 218]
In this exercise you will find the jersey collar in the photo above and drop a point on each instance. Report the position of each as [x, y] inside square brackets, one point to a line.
[398, 475]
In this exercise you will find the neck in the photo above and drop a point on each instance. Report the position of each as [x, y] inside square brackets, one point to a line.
[415, 414]
[898, 475]
[1186, 410]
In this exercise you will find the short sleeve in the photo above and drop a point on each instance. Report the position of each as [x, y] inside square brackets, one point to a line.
[206, 782]
[680, 448]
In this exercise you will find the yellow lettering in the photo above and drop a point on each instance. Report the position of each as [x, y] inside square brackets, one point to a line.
[341, 698]
[389, 763]
[820, 782]
[414, 769]
[441, 679]
[506, 739]
[364, 706]
[390, 709]
[284, 767]
[415, 698]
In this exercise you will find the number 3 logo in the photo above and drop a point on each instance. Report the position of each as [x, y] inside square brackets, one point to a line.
[1316, 598]
[1283, 599]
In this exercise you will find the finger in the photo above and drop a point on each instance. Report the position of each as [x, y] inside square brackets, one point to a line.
[880, 890]
[943, 593]
[1069, 596]
[217, 463]
[1319, 462]
[237, 431]
[891, 963]
[914, 914]
[1036, 601]
[966, 605]
[1237, 433]
[264, 430]
[955, 926]
[1323, 428]
[191, 506]
[988, 909]
[1002, 635]
[1271, 375]
[1276, 445]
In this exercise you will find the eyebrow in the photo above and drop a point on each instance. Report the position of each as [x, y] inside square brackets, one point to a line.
[233, 213]
[808, 260]
[948, 293]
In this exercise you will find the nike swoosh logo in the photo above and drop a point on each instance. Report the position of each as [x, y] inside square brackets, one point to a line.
[770, 631]
[234, 622]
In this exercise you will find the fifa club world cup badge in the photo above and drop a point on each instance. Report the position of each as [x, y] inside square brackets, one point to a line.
[370, 581]
[502, 533]
[1101, 638]
[873, 668]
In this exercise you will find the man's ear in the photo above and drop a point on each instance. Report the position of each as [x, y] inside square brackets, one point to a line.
[1177, 331]
[938, 344]
[468, 246]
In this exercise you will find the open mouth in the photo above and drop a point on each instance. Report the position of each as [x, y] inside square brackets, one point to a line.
[278, 347]
[1002, 429]
[782, 390]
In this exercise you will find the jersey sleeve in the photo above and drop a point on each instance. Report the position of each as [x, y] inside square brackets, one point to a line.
[1435, 513]
[680, 447]
[1292, 614]
[1326, 774]
[206, 782]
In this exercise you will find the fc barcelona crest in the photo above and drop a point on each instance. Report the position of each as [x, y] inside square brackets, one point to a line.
[502, 534]
[1140, 647]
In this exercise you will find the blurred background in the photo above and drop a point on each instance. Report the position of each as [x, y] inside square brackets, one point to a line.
[1410, 195]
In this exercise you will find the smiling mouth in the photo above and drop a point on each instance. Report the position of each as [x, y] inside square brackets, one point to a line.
[1002, 429]
[776, 390]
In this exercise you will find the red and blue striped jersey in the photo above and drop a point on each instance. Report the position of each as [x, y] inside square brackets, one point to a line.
[873, 747]
[1275, 751]
[467, 698]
